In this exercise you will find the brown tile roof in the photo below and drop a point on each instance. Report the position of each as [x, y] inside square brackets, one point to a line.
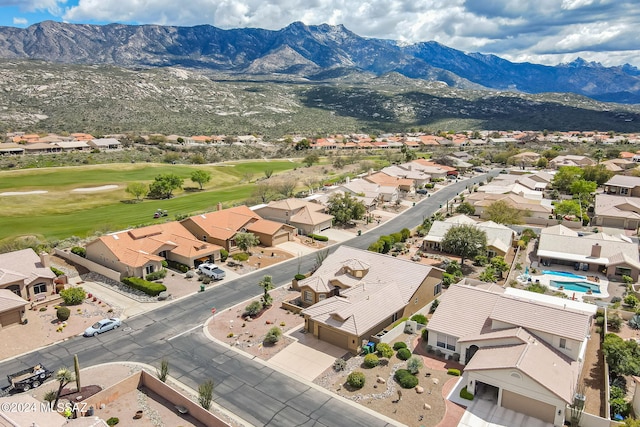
[265, 226]
[382, 178]
[308, 216]
[224, 224]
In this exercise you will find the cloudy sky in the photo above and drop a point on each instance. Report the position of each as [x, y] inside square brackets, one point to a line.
[540, 31]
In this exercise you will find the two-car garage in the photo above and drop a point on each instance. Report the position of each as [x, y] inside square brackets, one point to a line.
[526, 405]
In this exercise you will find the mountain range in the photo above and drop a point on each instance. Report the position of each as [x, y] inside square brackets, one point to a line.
[307, 53]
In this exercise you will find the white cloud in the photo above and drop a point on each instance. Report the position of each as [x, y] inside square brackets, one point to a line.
[52, 6]
[540, 30]
[20, 21]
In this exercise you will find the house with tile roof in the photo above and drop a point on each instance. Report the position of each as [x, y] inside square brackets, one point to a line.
[306, 217]
[381, 178]
[613, 256]
[369, 193]
[617, 211]
[105, 144]
[623, 185]
[141, 251]
[220, 227]
[527, 158]
[28, 276]
[570, 160]
[355, 294]
[499, 237]
[533, 208]
[525, 353]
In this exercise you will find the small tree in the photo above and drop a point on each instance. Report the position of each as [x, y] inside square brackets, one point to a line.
[466, 208]
[464, 240]
[205, 394]
[200, 177]
[414, 364]
[310, 159]
[488, 275]
[163, 185]
[73, 296]
[499, 265]
[64, 376]
[245, 241]
[503, 213]
[345, 208]
[137, 189]
[266, 284]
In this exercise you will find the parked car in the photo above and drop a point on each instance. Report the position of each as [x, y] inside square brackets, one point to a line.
[478, 169]
[212, 271]
[422, 191]
[101, 326]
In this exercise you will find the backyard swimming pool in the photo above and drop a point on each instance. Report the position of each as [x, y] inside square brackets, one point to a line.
[577, 286]
[564, 274]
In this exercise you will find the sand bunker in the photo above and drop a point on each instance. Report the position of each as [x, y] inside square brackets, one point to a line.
[22, 193]
[90, 189]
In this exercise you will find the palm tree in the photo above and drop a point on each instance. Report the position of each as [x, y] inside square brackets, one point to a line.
[64, 376]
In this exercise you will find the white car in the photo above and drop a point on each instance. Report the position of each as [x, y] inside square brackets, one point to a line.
[101, 326]
[211, 270]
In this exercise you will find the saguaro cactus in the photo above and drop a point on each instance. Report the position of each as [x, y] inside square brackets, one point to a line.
[76, 365]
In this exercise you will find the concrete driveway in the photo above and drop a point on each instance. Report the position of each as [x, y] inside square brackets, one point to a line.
[296, 248]
[485, 413]
[306, 358]
[338, 235]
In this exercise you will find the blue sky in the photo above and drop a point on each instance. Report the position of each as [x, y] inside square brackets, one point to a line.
[540, 31]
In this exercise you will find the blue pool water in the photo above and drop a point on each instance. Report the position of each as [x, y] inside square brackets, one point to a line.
[577, 286]
[564, 274]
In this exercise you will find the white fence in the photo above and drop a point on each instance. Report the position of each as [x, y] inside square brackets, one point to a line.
[92, 266]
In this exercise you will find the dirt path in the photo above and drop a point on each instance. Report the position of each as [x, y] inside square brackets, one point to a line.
[592, 376]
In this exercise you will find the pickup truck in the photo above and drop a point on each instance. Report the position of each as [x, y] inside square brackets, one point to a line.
[28, 378]
[212, 271]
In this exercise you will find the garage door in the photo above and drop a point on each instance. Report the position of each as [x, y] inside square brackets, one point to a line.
[333, 337]
[613, 222]
[10, 318]
[280, 238]
[524, 405]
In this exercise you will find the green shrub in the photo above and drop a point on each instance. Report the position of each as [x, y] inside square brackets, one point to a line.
[113, 421]
[384, 350]
[63, 313]
[57, 272]
[356, 379]
[300, 277]
[403, 354]
[631, 300]
[371, 361]
[175, 265]
[156, 275]
[600, 320]
[319, 238]
[240, 256]
[465, 394]
[254, 308]
[414, 364]
[224, 254]
[400, 344]
[405, 378]
[273, 336]
[425, 335]
[454, 372]
[480, 260]
[616, 392]
[619, 406]
[149, 288]
[419, 318]
[434, 305]
[339, 364]
[73, 296]
[164, 263]
[80, 251]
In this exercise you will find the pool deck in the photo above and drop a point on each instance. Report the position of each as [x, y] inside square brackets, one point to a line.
[545, 279]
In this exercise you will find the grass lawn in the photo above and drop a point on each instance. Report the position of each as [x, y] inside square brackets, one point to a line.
[61, 213]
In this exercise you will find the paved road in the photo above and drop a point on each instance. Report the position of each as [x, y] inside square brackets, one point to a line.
[253, 391]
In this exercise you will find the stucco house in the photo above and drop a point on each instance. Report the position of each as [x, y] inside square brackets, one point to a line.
[523, 351]
[370, 193]
[613, 256]
[533, 207]
[623, 185]
[306, 217]
[26, 275]
[617, 211]
[527, 158]
[570, 160]
[355, 294]
[403, 184]
[220, 227]
[140, 251]
[499, 237]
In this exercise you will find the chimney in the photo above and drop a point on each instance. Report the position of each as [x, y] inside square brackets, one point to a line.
[44, 259]
[347, 179]
[336, 291]
[219, 206]
[596, 250]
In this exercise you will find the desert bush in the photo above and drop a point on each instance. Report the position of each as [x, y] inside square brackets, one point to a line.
[183, 268]
[400, 344]
[63, 313]
[319, 238]
[405, 378]
[73, 296]
[113, 421]
[57, 272]
[224, 254]
[419, 318]
[356, 379]
[371, 361]
[403, 354]
[414, 364]
[465, 394]
[253, 308]
[156, 275]
[273, 336]
[80, 251]
[240, 256]
[339, 364]
[384, 350]
[454, 372]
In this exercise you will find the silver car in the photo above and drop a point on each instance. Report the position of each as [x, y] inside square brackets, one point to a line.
[101, 326]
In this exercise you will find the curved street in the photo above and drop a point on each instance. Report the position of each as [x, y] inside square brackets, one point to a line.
[248, 388]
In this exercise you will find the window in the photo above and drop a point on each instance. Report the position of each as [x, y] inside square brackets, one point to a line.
[394, 317]
[624, 191]
[321, 297]
[563, 343]
[437, 289]
[163, 254]
[204, 237]
[491, 254]
[308, 296]
[446, 341]
[623, 271]
[149, 269]
[39, 288]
